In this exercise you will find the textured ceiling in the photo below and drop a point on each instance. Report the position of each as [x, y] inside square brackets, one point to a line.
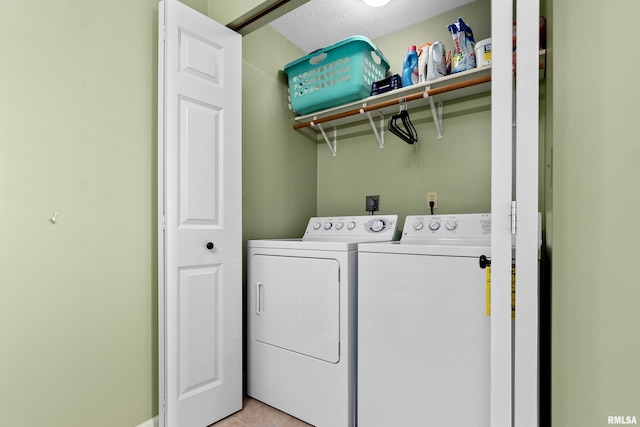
[320, 23]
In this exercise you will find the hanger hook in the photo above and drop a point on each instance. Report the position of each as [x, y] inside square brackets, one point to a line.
[402, 101]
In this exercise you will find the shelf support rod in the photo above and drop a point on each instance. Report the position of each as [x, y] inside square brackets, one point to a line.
[379, 135]
[332, 146]
[436, 114]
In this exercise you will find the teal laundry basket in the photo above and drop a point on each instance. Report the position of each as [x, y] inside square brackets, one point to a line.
[335, 75]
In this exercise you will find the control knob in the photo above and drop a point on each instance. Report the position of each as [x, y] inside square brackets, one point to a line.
[351, 225]
[433, 226]
[451, 225]
[418, 225]
[377, 226]
[328, 225]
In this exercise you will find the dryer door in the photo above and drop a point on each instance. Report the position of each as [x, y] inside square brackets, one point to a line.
[294, 304]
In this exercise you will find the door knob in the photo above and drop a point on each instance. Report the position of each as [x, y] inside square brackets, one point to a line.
[209, 245]
[484, 262]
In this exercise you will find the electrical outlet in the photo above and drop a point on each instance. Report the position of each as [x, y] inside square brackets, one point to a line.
[372, 204]
[432, 196]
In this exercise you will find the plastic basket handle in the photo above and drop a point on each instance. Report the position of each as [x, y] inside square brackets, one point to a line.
[376, 58]
[315, 60]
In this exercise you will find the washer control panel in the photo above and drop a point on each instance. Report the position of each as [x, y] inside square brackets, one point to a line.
[352, 228]
[472, 226]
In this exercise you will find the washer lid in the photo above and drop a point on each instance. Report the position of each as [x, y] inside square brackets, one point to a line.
[462, 249]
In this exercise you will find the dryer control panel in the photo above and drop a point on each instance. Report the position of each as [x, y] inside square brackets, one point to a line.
[352, 228]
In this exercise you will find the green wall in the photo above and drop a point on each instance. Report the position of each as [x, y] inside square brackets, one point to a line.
[458, 167]
[279, 164]
[78, 137]
[78, 134]
[596, 157]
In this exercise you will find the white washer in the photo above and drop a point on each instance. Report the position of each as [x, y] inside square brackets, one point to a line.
[301, 296]
[423, 331]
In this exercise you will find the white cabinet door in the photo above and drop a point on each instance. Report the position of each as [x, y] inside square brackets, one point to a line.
[200, 274]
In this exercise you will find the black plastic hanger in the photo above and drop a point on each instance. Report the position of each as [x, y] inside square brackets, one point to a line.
[406, 132]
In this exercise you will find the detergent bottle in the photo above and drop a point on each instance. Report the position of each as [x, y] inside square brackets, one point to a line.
[423, 58]
[437, 61]
[410, 67]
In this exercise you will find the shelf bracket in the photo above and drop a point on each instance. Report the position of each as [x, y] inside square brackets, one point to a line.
[379, 135]
[437, 114]
[332, 145]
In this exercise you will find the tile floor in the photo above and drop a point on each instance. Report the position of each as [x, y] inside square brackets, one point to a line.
[256, 414]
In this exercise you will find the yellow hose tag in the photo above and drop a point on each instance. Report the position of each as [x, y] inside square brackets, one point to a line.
[488, 297]
[513, 292]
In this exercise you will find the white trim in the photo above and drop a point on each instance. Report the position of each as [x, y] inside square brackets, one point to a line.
[153, 422]
[162, 12]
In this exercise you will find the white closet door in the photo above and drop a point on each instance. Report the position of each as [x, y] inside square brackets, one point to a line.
[501, 196]
[527, 118]
[514, 361]
[200, 274]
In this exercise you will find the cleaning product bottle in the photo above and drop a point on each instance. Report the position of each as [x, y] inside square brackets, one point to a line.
[410, 67]
[423, 58]
[437, 61]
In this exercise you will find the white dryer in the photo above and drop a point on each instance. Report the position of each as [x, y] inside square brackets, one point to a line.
[301, 295]
[423, 331]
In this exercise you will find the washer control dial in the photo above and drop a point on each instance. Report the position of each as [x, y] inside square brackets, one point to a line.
[317, 225]
[339, 225]
[451, 225]
[377, 226]
[418, 225]
[328, 225]
[433, 226]
[351, 225]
